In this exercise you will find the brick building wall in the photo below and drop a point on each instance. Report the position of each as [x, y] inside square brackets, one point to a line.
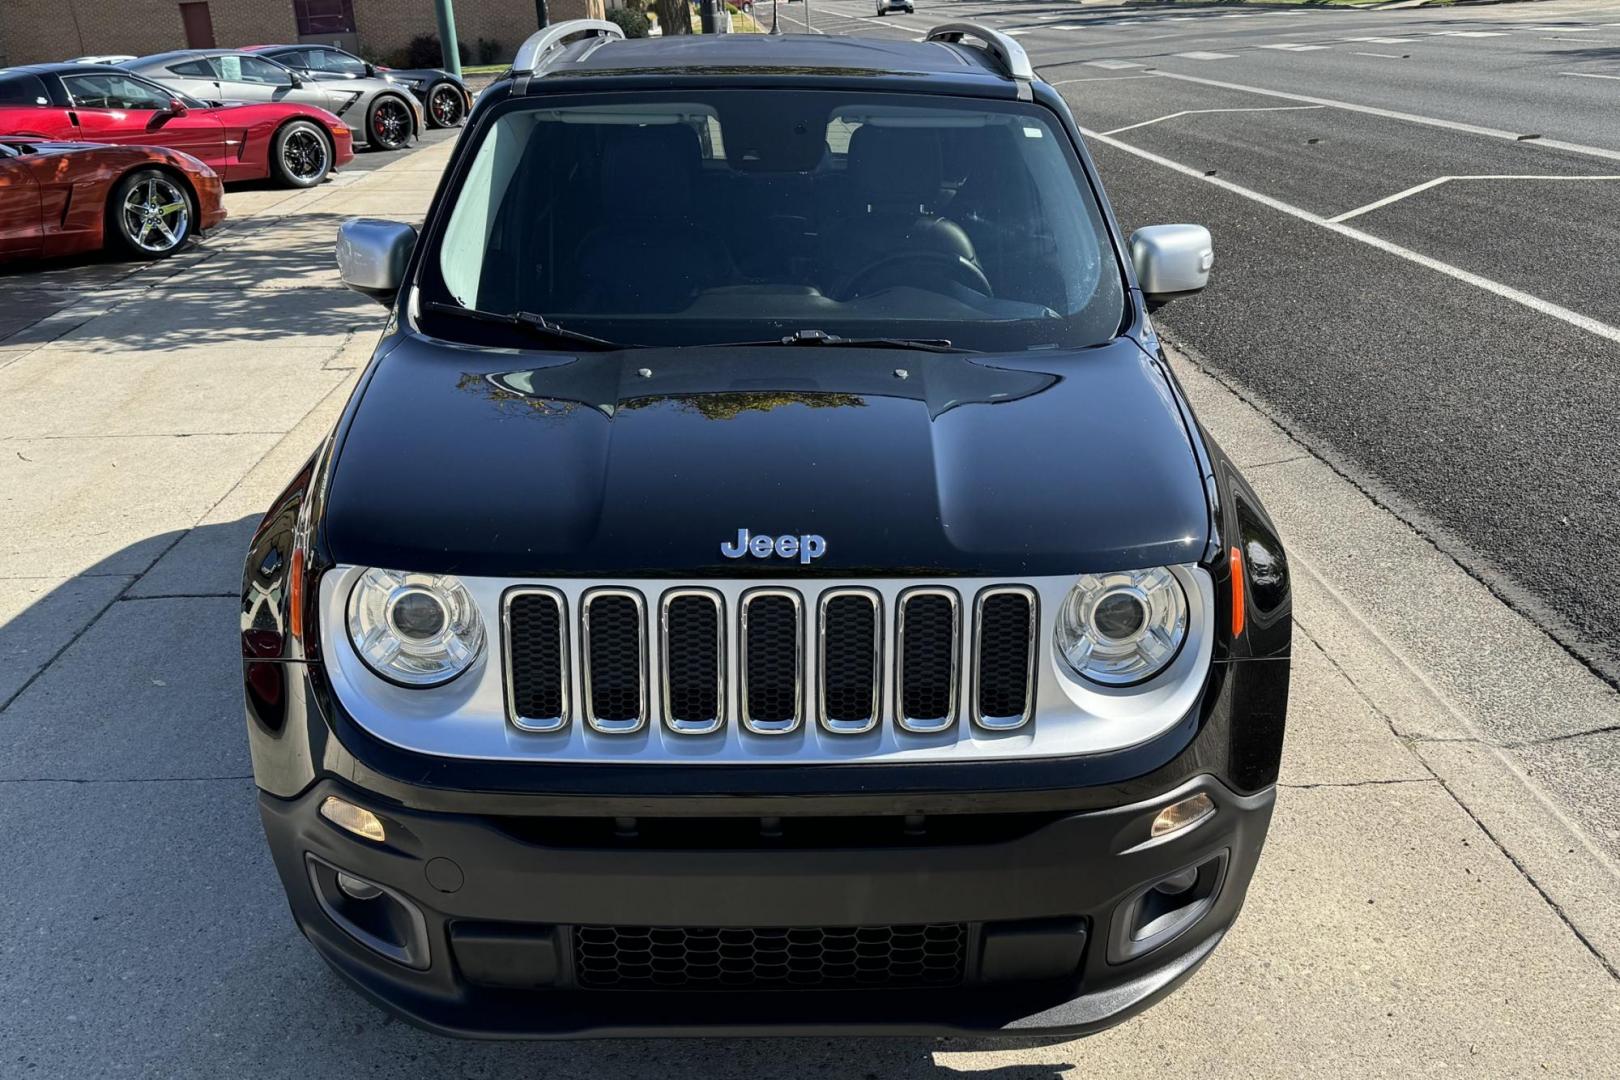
[32, 31]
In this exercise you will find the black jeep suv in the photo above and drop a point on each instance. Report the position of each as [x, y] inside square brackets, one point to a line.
[768, 578]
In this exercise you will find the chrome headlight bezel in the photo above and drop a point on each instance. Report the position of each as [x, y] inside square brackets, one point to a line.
[393, 652]
[1093, 643]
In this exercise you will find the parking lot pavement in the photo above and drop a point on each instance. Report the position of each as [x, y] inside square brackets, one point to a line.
[1422, 907]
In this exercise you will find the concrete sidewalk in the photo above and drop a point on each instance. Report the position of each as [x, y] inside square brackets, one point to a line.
[1436, 896]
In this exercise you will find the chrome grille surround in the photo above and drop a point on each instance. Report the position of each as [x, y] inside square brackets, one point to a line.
[472, 717]
[766, 726]
[928, 725]
[1016, 720]
[613, 726]
[850, 727]
[540, 724]
[690, 726]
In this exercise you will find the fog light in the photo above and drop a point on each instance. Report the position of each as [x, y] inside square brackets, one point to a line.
[355, 819]
[1174, 885]
[1180, 815]
[356, 889]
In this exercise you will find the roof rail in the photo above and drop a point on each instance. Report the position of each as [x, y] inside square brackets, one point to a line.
[533, 50]
[1003, 48]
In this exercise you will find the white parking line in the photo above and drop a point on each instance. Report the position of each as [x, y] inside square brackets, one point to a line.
[1206, 55]
[1588, 75]
[1113, 65]
[1295, 48]
[1103, 78]
[1437, 181]
[1506, 292]
[1199, 112]
[1384, 40]
[1382, 55]
[1393, 114]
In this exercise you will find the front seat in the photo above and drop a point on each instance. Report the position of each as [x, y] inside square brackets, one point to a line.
[653, 254]
[896, 180]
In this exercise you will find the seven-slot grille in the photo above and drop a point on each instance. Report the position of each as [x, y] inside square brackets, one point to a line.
[769, 958]
[774, 686]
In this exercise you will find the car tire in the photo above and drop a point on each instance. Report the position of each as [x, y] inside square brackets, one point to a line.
[388, 123]
[445, 106]
[151, 214]
[301, 154]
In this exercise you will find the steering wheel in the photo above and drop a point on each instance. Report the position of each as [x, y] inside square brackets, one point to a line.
[960, 269]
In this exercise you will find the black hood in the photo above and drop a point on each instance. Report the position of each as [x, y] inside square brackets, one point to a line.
[644, 462]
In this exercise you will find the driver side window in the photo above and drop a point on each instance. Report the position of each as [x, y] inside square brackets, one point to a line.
[112, 92]
[340, 62]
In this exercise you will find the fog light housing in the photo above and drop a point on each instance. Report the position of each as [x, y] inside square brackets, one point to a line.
[1182, 815]
[356, 819]
[356, 889]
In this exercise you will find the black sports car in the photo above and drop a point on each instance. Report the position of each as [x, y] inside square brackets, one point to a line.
[444, 97]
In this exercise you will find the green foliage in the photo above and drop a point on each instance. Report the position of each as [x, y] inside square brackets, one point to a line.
[424, 51]
[633, 23]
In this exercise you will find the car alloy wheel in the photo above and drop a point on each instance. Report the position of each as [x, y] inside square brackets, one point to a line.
[390, 124]
[304, 155]
[156, 215]
[445, 105]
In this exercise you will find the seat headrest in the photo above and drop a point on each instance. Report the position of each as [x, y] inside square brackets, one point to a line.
[895, 165]
[649, 171]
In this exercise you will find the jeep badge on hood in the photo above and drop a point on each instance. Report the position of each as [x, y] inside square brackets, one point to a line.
[805, 548]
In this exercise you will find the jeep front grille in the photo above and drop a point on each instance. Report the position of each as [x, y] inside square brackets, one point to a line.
[851, 674]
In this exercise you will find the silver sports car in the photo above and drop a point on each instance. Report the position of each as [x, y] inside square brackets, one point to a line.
[381, 115]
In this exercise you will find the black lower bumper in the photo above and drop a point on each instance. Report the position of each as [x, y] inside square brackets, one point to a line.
[485, 927]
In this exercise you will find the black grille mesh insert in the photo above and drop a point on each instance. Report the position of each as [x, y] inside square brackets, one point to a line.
[1004, 655]
[927, 657]
[849, 668]
[769, 958]
[615, 658]
[692, 643]
[537, 651]
[771, 655]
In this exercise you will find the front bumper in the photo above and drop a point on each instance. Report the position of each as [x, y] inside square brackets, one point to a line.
[490, 907]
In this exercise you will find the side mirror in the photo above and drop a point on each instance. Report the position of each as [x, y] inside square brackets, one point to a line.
[1171, 260]
[371, 70]
[372, 255]
[176, 109]
[295, 80]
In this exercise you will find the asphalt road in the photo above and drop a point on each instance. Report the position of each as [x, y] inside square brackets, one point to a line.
[1449, 344]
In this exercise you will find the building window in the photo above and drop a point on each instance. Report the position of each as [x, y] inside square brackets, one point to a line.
[324, 16]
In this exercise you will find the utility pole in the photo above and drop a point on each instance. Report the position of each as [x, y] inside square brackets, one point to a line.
[542, 14]
[706, 15]
[446, 12]
[807, 27]
[776, 16]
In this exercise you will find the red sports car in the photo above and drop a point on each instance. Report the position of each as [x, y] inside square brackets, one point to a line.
[297, 145]
[60, 198]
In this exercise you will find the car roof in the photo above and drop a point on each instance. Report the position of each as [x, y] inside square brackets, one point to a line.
[60, 68]
[693, 54]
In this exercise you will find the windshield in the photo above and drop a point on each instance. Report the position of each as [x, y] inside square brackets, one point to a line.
[708, 217]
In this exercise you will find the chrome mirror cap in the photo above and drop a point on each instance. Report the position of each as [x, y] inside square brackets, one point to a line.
[372, 255]
[1171, 260]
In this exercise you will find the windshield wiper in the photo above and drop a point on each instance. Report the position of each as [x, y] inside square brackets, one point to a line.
[822, 339]
[538, 325]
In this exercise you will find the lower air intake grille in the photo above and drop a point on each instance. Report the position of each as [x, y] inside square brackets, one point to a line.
[769, 958]
[1006, 635]
[534, 638]
[614, 663]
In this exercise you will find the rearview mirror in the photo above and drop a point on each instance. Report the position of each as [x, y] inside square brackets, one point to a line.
[1171, 260]
[372, 255]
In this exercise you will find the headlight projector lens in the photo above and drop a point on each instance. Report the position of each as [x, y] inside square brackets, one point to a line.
[1122, 628]
[415, 629]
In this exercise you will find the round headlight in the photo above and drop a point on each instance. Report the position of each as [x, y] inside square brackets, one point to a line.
[1122, 628]
[416, 629]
